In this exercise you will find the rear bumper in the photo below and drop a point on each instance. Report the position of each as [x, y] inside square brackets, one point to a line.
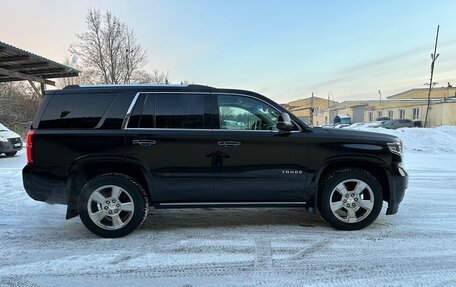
[398, 182]
[44, 186]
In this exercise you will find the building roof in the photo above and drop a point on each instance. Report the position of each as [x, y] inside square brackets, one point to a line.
[348, 104]
[300, 108]
[422, 93]
[343, 116]
[20, 65]
[309, 99]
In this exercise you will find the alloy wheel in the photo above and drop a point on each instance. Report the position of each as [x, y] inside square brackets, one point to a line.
[352, 200]
[110, 207]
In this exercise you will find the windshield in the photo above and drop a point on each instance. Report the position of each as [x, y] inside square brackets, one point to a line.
[2, 128]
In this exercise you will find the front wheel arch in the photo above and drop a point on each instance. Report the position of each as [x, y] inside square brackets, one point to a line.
[377, 168]
[356, 188]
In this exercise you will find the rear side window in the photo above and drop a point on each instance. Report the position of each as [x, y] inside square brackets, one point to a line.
[169, 111]
[75, 111]
[148, 111]
[179, 111]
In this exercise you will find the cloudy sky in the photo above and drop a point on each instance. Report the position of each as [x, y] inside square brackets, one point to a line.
[284, 49]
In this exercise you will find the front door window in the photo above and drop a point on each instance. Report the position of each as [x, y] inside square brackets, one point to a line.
[244, 113]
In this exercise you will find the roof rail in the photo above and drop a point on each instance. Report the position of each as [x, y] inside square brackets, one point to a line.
[136, 85]
[129, 85]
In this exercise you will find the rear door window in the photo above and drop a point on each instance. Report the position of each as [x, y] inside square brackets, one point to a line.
[148, 112]
[76, 111]
[168, 111]
[179, 111]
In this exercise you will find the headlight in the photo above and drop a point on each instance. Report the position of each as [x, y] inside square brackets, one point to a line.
[395, 147]
[3, 139]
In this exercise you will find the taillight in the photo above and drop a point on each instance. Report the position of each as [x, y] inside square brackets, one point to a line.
[30, 146]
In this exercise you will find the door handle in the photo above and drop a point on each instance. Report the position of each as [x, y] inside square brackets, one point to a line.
[144, 142]
[229, 143]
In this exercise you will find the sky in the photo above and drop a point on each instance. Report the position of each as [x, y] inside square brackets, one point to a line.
[284, 49]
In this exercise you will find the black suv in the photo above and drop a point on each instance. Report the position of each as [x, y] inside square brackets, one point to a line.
[110, 151]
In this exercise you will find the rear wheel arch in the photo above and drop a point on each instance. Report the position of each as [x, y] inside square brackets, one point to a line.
[112, 205]
[82, 171]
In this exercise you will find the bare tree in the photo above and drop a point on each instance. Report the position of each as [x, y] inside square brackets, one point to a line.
[18, 104]
[226, 113]
[84, 76]
[156, 77]
[109, 50]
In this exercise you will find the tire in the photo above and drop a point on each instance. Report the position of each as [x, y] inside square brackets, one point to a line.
[12, 153]
[363, 194]
[112, 205]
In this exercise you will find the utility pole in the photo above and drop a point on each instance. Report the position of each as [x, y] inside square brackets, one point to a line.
[380, 93]
[434, 57]
[330, 96]
[311, 109]
[328, 99]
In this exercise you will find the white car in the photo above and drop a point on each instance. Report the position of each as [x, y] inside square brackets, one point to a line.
[10, 142]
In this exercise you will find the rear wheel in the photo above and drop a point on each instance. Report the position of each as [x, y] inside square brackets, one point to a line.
[350, 199]
[13, 153]
[112, 205]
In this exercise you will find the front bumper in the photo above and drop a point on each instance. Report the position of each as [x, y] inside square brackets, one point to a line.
[44, 186]
[398, 182]
[11, 145]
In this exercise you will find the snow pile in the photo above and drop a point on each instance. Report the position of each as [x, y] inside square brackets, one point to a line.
[433, 140]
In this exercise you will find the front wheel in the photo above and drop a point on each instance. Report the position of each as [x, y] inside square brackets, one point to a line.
[112, 205]
[13, 153]
[350, 199]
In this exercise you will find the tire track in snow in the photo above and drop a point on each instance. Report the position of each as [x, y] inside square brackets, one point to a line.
[263, 253]
[17, 281]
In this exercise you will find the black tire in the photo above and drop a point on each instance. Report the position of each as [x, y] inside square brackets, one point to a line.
[12, 153]
[131, 190]
[330, 183]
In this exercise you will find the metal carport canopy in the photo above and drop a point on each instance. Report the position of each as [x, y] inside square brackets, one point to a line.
[20, 65]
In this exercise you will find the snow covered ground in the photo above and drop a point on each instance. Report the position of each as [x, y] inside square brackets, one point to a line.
[435, 140]
[239, 247]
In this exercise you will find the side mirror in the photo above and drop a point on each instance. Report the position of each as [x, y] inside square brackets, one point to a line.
[284, 122]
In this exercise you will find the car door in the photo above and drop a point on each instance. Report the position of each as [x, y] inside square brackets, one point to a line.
[170, 134]
[395, 124]
[254, 162]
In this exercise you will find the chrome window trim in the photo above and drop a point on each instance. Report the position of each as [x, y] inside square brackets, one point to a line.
[135, 99]
[199, 93]
[212, 130]
[261, 131]
[167, 129]
[130, 109]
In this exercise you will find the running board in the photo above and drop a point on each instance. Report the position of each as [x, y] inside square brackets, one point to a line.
[228, 204]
